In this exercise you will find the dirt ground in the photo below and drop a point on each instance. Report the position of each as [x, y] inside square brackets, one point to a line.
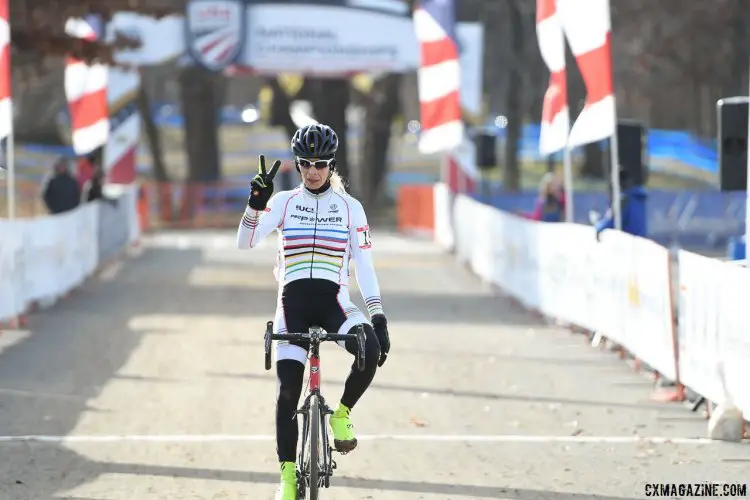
[148, 383]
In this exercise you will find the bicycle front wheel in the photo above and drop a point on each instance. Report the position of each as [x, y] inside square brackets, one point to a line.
[314, 448]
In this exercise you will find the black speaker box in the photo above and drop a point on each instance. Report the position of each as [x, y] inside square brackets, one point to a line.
[632, 150]
[484, 143]
[732, 116]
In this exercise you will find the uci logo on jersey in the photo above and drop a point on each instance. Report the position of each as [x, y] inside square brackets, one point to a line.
[309, 210]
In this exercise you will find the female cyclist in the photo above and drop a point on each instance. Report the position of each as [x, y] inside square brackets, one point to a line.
[321, 228]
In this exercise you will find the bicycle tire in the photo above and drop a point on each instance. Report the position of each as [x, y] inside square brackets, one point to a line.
[314, 435]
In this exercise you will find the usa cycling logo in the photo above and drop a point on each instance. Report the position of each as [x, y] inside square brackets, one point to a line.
[215, 32]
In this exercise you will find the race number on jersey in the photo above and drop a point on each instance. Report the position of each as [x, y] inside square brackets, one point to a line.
[363, 237]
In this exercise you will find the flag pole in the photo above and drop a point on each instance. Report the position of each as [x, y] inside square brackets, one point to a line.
[615, 172]
[613, 143]
[9, 159]
[11, 183]
[568, 176]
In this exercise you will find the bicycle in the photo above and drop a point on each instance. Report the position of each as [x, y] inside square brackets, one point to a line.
[315, 464]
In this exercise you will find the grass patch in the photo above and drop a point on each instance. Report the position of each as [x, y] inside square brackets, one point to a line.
[532, 173]
[236, 140]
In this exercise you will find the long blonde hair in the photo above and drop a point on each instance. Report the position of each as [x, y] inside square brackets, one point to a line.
[337, 183]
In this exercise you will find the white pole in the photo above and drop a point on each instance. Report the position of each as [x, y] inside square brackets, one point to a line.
[613, 147]
[444, 173]
[615, 171]
[11, 184]
[747, 197]
[568, 180]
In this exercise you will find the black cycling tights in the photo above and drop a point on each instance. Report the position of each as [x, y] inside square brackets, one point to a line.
[290, 374]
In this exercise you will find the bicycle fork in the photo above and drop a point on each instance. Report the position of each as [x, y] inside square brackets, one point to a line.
[328, 464]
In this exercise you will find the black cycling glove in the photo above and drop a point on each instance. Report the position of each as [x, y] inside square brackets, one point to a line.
[261, 186]
[380, 325]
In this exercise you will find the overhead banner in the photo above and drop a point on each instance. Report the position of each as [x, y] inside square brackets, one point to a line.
[333, 37]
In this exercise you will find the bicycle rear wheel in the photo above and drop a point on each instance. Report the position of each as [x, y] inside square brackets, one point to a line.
[314, 448]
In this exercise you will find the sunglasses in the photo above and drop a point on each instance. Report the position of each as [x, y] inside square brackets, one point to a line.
[319, 164]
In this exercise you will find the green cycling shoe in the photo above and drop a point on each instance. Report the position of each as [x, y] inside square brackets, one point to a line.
[344, 439]
[288, 486]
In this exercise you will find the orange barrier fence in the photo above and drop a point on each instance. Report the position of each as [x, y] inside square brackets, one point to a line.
[183, 205]
[415, 209]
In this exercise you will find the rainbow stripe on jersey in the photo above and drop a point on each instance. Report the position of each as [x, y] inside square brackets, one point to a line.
[307, 250]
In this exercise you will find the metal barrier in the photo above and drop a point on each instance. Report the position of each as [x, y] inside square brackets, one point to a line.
[182, 205]
[178, 205]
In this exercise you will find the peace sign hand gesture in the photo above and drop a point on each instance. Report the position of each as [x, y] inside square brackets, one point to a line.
[265, 179]
[262, 184]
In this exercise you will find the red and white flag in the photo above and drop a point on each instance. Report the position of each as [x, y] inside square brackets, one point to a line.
[6, 104]
[588, 28]
[555, 117]
[439, 76]
[86, 92]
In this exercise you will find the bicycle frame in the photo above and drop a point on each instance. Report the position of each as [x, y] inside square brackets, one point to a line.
[315, 368]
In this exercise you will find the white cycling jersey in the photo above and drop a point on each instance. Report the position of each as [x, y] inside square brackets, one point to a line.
[319, 234]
